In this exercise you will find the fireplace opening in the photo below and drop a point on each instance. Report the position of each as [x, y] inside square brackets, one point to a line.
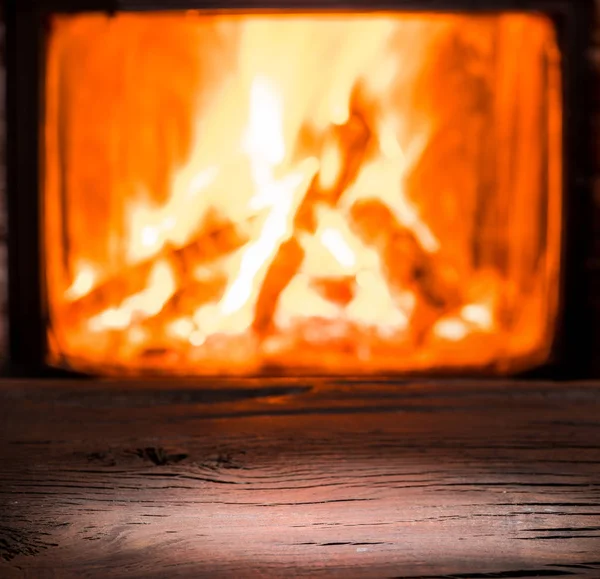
[344, 193]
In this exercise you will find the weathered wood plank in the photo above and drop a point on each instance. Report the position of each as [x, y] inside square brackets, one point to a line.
[303, 477]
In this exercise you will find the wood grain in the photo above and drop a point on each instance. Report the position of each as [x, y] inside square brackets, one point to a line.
[280, 477]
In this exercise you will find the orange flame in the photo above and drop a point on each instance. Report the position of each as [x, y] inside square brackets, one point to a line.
[314, 192]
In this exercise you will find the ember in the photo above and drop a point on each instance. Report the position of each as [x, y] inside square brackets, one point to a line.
[349, 193]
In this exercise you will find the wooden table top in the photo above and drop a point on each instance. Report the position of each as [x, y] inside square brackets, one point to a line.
[299, 477]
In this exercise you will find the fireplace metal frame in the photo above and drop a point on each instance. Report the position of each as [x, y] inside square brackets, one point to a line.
[572, 351]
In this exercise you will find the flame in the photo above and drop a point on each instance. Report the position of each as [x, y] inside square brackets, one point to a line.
[147, 303]
[85, 280]
[296, 199]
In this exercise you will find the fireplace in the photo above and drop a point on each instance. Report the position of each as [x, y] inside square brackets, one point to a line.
[208, 190]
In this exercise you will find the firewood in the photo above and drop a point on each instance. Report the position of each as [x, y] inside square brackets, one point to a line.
[157, 339]
[189, 297]
[211, 244]
[407, 265]
[353, 140]
[284, 266]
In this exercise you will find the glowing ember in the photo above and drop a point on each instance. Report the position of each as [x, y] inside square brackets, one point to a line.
[349, 193]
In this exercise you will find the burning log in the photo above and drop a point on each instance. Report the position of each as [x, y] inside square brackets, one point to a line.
[213, 243]
[407, 265]
[180, 306]
[281, 271]
[192, 295]
[352, 141]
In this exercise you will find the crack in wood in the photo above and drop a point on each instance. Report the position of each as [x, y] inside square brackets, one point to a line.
[556, 537]
[516, 574]
[562, 529]
[159, 456]
[18, 541]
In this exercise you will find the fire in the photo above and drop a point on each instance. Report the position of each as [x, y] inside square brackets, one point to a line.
[145, 304]
[318, 193]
